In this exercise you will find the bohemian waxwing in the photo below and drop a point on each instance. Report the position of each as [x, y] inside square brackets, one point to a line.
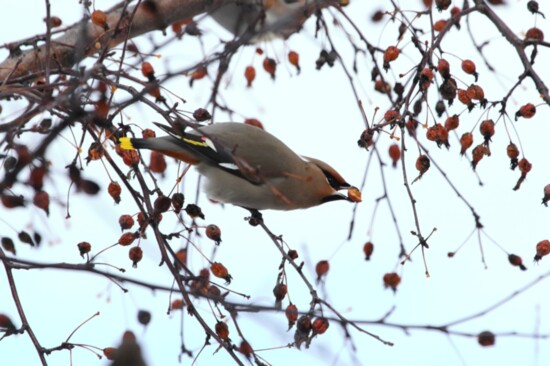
[280, 18]
[248, 167]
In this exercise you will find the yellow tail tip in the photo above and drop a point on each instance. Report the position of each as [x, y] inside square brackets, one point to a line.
[126, 143]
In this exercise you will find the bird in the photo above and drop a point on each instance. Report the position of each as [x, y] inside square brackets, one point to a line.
[285, 17]
[246, 166]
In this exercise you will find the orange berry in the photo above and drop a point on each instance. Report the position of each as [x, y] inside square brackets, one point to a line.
[534, 34]
[127, 239]
[543, 249]
[42, 200]
[148, 71]
[214, 233]
[444, 68]
[245, 348]
[157, 162]
[279, 291]
[270, 66]
[487, 129]
[222, 330]
[250, 75]
[99, 18]
[126, 222]
[321, 269]
[135, 254]
[466, 140]
[391, 54]
[391, 280]
[451, 122]
[526, 111]
[395, 154]
[439, 25]
[84, 248]
[469, 67]
[478, 153]
[291, 313]
[516, 261]
[392, 116]
[220, 271]
[114, 190]
[422, 164]
[294, 60]
[368, 248]
[320, 325]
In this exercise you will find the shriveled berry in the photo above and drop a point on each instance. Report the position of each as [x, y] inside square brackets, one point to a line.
[214, 233]
[368, 248]
[486, 339]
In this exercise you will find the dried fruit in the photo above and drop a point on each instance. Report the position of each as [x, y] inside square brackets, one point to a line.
[8, 245]
[127, 239]
[148, 71]
[478, 153]
[222, 330]
[422, 164]
[526, 111]
[354, 194]
[135, 254]
[270, 66]
[249, 75]
[214, 233]
[469, 67]
[177, 202]
[516, 261]
[220, 271]
[368, 248]
[444, 68]
[144, 317]
[279, 291]
[84, 248]
[42, 200]
[390, 55]
[114, 190]
[395, 154]
[99, 18]
[486, 339]
[320, 325]
[246, 349]
[162, 204]
[125, 222]
[487, 129]
[294, 60]
[439, 134]
[543, 249]
[291, 313]
[194, 211]
[466, 140]
[440, 25]
[321, 268]
[534, 34]
[391, 280]
[201, 115]
[513, 152]
[452, 122]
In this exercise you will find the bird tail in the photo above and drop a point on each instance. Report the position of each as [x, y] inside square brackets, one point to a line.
[167, 145]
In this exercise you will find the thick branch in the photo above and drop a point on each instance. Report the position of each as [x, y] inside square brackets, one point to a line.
[84, 38]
